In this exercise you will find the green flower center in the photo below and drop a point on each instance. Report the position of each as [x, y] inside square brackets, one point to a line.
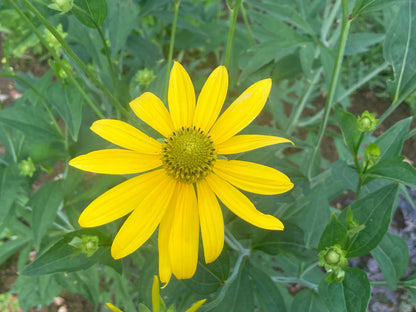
[188, 155]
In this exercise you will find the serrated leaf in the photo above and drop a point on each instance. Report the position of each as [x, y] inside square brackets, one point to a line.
[375, 212]
[62, 257]
[392, 256]
[45, 205]
[352, 295]
[67, 100]
[394, 169]
[267, 293]
[91, 13]
[308, 301]
[335, 233]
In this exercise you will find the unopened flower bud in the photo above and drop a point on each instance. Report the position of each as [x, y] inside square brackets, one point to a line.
[372, 153]
[144, 77]
[27, 167]
[366, 122]
[333, 258]
[87, 244]
[61, 5]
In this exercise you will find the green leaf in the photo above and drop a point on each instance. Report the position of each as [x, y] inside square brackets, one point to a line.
[9, 248]
[10, 181]
[67, 100]
[352, 295]
[365, 6]
[240, 295]
[45, 205]
[348, 124]
[209, 277]
[287, 242]
[267, 293]
[400, 49]
[334, 233]
[36, 290]
[308, 301]
[394, 169]
[360, 42]
[120, 23]
[375, 212]
[391, 141]
[392, 256]
[62, 257]
[91, 13]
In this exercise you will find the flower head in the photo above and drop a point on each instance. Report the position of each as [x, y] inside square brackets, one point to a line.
[366, 122]
[183, 177]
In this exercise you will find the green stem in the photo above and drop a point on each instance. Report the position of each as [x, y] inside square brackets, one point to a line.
[57, 59]
[334, 82]
[171, 46]
[295, 115]
[41, 97]
[245, 19]
[233, 21]
[235, 244]
[107, 54]
[72, 54]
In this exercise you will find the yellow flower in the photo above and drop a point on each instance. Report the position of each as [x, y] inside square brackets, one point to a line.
[184, 177]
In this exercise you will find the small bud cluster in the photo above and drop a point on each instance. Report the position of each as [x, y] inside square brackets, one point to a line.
[333, 259]
[366, 122]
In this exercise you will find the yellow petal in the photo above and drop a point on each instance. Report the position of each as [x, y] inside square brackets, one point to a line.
[116, 161]
[241, 112]
[196, 305]
[247, 142]
[165, 269]
[112, 307]
[143, 221]
[211, 99]
[120, 200]
[240, 205]
[149, 108]
[125, 135]
[212, 223]
[184, 235]
[181, 97]
[253, 177]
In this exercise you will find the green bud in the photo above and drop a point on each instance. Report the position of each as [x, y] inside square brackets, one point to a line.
[332, 258]
[87, 244]
[60, 68]
[372, 153]
[144, 77]
[61, 5]
[27, 167]
[51, 40]
[366, 122]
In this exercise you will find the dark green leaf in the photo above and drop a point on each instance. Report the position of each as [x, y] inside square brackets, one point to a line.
[364, 6]
[45, 205]
[9, 248]
[391, 141]
[10, 181]
[348, 124]
[308, 301]
[392, 256]
[268, 295]
[334, 233]
[62, 257]
[375, 212]
[352, 295]
[400, 49]
[394, 169]
[360, 42]
[91, 13]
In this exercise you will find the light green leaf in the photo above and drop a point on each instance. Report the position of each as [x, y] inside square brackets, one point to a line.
[360, 42]
[348, 124]
[394, 169]
[400, 49]
[67, 100]
[352, 295]
[375, 212]
[308, 301]
[365, 6]
[392, 256]
[91, 13]
[45, 205]
[335, 233]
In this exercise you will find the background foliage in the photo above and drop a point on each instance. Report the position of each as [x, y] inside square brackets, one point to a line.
[97, 55]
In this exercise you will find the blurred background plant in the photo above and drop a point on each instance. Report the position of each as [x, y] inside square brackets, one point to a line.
[73, 62]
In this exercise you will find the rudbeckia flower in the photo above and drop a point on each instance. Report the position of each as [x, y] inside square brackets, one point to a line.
[183, 178]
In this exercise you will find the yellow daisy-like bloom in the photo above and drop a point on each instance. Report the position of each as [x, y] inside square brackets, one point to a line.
[184, 178]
